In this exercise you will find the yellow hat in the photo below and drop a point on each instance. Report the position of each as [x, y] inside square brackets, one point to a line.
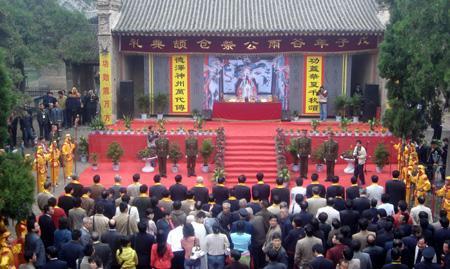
[421, 167]
[447, 177]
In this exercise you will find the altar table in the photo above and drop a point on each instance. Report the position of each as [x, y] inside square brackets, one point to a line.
[247, 111]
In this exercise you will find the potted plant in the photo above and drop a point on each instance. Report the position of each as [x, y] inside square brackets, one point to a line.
[198, 123]
[292, 148]
[115, 152]
[97, 125]
[175, 156]
[94, 160]
[127, 122]
[318, 157]
[314, 125]
[218, 173]
[341, 103]
[143, 103]
[380, 157]
[284, 174]
[83, 149]
[344, 124]
[356, 104]
[146, 155]
[206, 151]
[161, 101]
[372, 124]
[295, 115]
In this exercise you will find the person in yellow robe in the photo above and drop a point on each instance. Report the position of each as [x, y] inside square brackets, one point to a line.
[423, 185]
[6, 253]
[40, 166]
[54, 155]
[67, 151]
[444, 192]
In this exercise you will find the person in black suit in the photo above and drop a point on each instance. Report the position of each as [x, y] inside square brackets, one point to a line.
[292, 237]
[304, 215]
[220, 192]
[352, 192]
[47, 226]
[157, 189]
[242, 190]
[53, 262]
[320, 262]
[349, 216]
[109, 209]
[335, 189]
[112, 238]
[396, 260]
[428, 254]
[396, 189]
[66, 201]
[201, 193]
[441, 235]
[361, 203]
[315, 183]
[142, 243]
[280, 191]
[72, 250]
[255, 202]
[102, 250]
[262, 188]
[178, 191]
[376, 253]
[234, 202]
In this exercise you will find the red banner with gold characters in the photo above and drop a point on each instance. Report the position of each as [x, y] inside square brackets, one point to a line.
[179, 84]
[105, 88]
[313, 71]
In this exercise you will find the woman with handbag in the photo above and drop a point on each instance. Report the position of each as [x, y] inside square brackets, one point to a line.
[190, 244]
[161, 254]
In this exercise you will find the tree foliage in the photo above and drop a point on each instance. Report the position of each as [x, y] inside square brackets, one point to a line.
[6, 101]
[17, 181]
[40, 32]
[415, 60]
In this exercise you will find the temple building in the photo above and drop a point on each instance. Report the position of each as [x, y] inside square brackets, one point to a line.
[204, 52]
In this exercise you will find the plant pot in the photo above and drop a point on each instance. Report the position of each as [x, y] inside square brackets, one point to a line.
[95, 167]
[159, 116]
[143, 116]
[83, 158]
[115, 166]
[355, 119]
[319, 168]
[295, 168]
[379, 169]
[338, 118]
[148, 168]
[174, 168]
[350, 169]
[205, 168]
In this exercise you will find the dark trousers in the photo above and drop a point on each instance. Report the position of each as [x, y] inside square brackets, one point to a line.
[191, 165]
[304, 166]
[330, 168]
[258, 257]
[162, 163]
[359, 172]
[44, 130]
[178, 260]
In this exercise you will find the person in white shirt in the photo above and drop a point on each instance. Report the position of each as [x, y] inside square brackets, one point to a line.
[299, 189]
[174, 240]
[132, 210]
[200, 233]
[360, 155]
[331, 212]
[389, 208]
[375, 191]
[419, 208]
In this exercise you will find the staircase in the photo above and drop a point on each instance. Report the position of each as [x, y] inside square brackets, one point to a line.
[249, 155]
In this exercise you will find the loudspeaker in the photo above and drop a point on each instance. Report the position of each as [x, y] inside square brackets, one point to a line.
[125, 99]
[371, 101]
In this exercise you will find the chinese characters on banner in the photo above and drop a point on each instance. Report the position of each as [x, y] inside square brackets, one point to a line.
[179, 83]
[105, 88]
[313, 70]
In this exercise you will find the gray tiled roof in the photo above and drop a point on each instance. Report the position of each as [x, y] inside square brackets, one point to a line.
[248, 16]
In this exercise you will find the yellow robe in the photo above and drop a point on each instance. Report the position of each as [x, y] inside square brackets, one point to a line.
[444, 192]
[54, 165]
[67, 152]
[40, 166]
[423, 185]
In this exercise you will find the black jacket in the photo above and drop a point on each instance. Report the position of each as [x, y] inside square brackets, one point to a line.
[335, 190]
[360, 204]
[66, 202]
[377, 256]
[178, 192]
[200, 194]
[242, 191]
[350, 218]
[291, 239]
[142, 244]
[263, 191]
[70, 252]
[108, 206]
[142, 203]
[103, 251]
[321, 263]
[112, 238]
[322, 190]
[55, 264]
[426, 265]
[352, 192]
[220, 193]
[283, 195]
[396, 190]
[47, 230]
[157, 191]
[395, 266]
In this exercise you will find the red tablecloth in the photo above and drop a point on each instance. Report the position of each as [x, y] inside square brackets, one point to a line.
[133, 143]
[247, 111]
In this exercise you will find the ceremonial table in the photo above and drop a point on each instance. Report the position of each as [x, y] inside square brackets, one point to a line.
[247, 111]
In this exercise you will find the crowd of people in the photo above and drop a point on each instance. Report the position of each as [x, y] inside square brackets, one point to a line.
[311, 226]
[52, 115]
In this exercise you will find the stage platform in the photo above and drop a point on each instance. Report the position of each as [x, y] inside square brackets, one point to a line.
[250, 147]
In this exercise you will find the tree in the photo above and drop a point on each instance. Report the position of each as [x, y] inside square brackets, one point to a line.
[17, 191]
[6, 101]
[415, 60]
